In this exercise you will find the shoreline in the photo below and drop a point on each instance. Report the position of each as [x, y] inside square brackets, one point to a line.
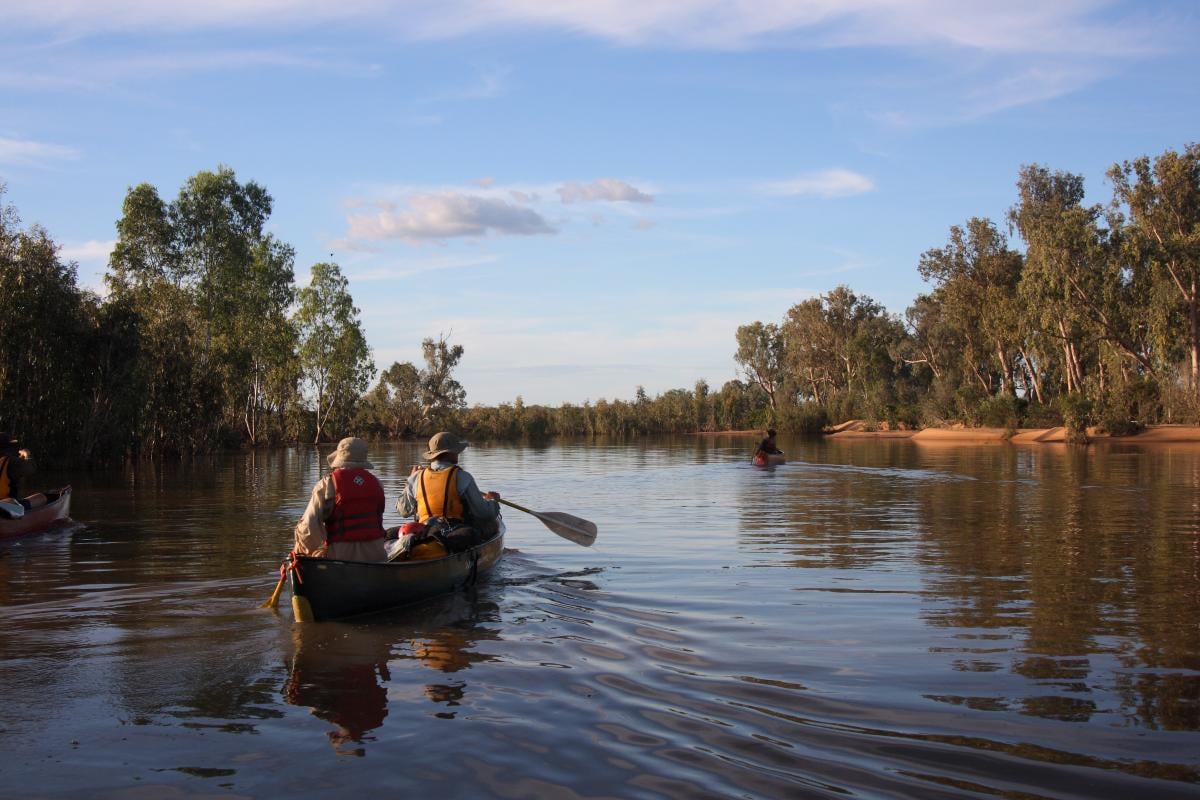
[854, 429]
[1151, 434]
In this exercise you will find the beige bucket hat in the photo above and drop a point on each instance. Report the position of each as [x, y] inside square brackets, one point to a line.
[351, 452]
[444, 442]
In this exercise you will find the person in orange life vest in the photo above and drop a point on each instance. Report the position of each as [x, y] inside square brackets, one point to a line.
[345, 510]
[444, 489]
[15, 464]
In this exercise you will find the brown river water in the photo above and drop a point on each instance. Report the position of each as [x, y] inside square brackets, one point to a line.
[872, 619]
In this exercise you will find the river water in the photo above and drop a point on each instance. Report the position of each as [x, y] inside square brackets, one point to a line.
[872, 619]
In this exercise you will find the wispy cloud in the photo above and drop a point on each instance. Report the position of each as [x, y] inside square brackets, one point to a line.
[448, 215]
[1097, 27]
[29, 152]
[406, 269]
[606, 190]
[824, 183]
[91, 251]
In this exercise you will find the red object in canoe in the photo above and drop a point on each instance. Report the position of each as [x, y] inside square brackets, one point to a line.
[39, 519]
[764, 460]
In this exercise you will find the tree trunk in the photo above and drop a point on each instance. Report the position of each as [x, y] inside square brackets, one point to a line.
[1006, 371]
[1031, 371]
[1194, 318]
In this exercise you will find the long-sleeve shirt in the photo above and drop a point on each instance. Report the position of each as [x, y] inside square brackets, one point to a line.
[478, 509]
[311, 535]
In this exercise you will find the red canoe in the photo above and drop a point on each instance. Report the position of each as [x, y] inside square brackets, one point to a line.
[39, 519]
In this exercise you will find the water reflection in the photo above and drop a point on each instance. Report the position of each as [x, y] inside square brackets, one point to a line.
[1066, 569]
[871, 619]
[342, 671]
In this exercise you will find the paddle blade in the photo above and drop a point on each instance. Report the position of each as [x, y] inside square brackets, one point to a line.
[273, 600]
[579, 531]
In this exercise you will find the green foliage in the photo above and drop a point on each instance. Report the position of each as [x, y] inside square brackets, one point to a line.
[1076, 411]
[441, 394]
[807, 419]
[335, 361]
[1001, 411]
[203, 340]
[1040, 415]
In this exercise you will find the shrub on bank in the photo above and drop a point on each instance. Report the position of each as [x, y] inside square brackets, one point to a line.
[808, 419]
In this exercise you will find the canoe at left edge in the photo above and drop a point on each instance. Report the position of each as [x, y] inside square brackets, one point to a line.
[57, 509]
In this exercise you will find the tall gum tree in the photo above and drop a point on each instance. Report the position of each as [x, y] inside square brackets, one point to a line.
[976, 276]
[1163, 198]
[335, 361]
[760, 354]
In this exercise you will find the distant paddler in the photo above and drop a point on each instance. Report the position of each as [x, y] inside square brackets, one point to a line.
[768, 452]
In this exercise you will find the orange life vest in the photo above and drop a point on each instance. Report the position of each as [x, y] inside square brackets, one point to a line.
[437, 495]
[357, 514]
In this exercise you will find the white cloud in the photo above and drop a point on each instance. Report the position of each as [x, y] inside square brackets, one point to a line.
[448, 215]
[27, 151]
[602, 190]
[1017, 26]
[824, 183]
[90, 251]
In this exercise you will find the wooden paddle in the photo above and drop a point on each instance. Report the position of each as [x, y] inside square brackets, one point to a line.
[273, 601]
[580, 531]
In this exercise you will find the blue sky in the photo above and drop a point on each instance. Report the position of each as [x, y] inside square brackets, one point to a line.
[589, 197]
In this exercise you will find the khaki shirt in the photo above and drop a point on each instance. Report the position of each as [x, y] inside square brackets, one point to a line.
[312, 538]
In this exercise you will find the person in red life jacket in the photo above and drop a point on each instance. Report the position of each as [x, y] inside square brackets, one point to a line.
[445, 490]
[344, 518]
[767, 446]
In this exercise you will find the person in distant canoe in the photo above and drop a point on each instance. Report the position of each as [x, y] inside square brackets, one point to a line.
[444, 490]
[767, 446]
[344, 517]
[15, 465]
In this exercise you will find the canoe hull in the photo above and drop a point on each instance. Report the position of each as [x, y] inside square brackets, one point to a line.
[764, 460]
[39, 519]
[338, 589]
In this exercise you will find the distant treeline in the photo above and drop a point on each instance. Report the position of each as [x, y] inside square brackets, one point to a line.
[204, 341]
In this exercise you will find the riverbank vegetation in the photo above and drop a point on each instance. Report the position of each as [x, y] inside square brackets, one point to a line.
[1061, 313]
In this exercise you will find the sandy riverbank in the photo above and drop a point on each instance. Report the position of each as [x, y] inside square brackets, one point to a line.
[1154, 434]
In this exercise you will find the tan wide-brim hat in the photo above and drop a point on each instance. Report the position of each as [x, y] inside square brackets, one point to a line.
[444, 442]
[351, 452]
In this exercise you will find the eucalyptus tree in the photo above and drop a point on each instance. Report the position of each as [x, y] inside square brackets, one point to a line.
[1077, 276]
[976, 276]
[1163, 198]
[43, 381]
[242, 280]
[840, 350]
[335, 361]
[760, 354]
[393, 406]
[441, 393]
[809, 354]
[211, 291]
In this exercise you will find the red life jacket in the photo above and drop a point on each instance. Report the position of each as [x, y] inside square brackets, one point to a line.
[357, 507]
